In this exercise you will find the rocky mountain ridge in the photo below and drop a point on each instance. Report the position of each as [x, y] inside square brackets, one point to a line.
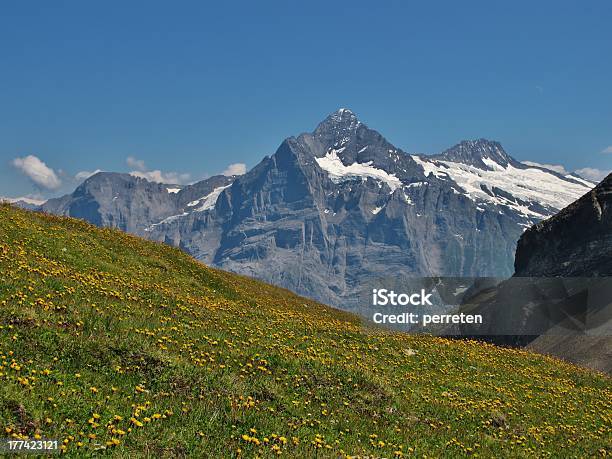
[575, 242]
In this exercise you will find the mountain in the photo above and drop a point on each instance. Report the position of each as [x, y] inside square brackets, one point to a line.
[489, 175]
[482, 154]
[116, 346]
[576, 242]
[335, 208]
[559, 300]
[24, 202]
[132, 203]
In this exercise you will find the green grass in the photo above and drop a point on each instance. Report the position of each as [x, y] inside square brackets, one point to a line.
[123, 347]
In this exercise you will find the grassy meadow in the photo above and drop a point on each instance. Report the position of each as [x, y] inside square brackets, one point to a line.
[122, 347]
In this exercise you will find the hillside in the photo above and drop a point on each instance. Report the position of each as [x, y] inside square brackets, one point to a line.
[111, 342]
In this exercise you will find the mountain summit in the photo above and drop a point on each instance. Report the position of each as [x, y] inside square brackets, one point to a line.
[336, 207]
[481, 153]
[342, 119]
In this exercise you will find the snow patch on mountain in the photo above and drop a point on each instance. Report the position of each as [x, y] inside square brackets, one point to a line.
[338, 172]
[530, 185]
[207, 202]
[415, 184]
[581, 180]
[166, 220]
[211, 199]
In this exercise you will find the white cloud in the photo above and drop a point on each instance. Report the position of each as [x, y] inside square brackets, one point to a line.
[84, 175]
[140, 170]
[38, 172]
[607, 150]
[553, 167]
[591, 173]
[174, 178]
[235, 169]
[135, 163]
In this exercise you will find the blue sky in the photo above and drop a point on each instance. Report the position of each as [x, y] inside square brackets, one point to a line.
[190, 88]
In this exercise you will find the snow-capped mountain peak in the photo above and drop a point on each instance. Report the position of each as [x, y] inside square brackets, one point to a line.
[338, 128]
[342, 116]
[481, 153]
[533, 193]
[347, 149]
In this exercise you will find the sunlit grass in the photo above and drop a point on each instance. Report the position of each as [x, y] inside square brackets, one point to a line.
[112, 343]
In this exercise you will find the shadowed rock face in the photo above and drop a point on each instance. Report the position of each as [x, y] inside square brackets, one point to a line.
[570, 256]
[332, 209]
[576, 242]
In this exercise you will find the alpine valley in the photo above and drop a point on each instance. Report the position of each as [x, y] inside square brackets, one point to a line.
[341, 205]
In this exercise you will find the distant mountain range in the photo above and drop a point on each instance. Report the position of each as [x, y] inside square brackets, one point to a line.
[341, 205]
[24, 203]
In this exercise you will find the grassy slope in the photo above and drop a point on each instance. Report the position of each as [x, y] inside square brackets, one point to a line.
[109, 341]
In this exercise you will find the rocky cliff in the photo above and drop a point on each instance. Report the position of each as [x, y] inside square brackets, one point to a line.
[576, 242]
